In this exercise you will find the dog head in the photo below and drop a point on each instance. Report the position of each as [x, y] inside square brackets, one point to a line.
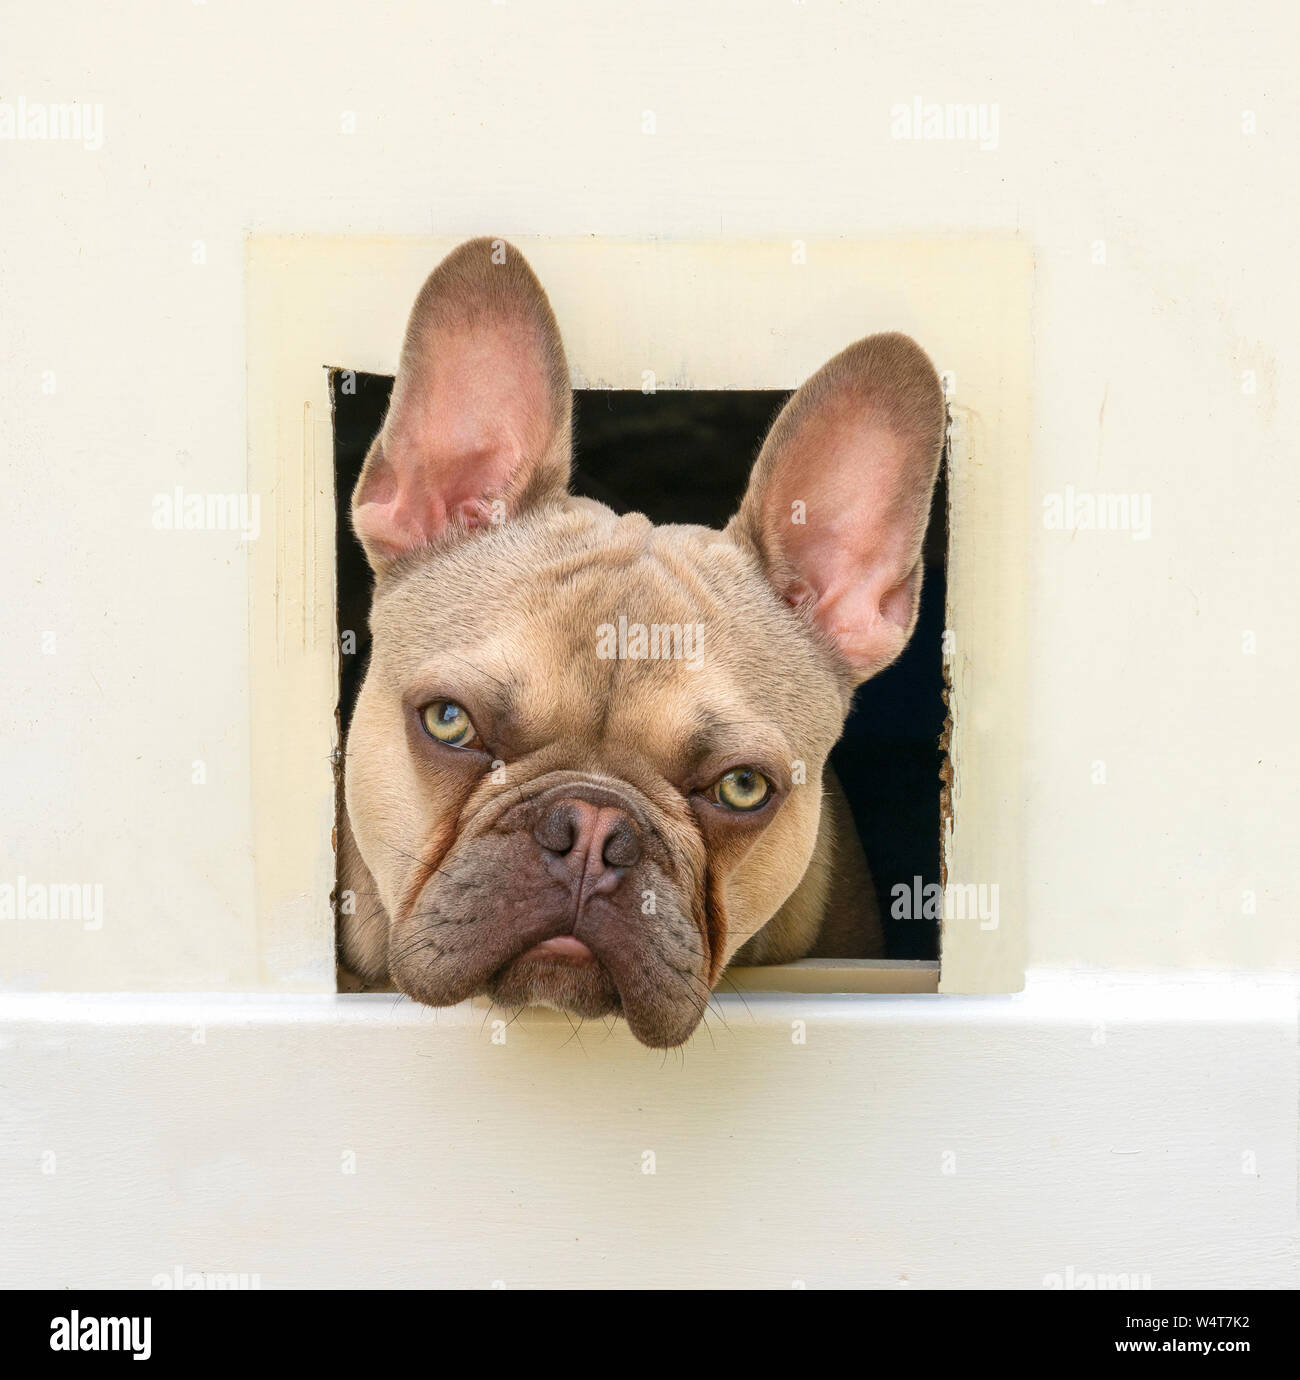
[585, 764]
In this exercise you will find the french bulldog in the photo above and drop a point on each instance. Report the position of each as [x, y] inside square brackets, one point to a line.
[587, 767]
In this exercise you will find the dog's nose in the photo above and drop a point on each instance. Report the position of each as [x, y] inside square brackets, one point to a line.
[596, 842]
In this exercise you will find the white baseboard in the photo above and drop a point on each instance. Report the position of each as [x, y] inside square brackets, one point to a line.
[1089, 1130]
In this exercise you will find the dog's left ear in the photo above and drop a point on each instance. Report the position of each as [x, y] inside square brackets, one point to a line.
[839, 500]
[479, 426]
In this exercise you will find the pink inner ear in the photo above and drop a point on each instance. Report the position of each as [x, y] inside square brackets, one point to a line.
[863, 519]
[840, 494]
[405, 507]
[854, 555]
[464, 432]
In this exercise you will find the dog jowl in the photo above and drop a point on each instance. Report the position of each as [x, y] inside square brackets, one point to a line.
[587, 766]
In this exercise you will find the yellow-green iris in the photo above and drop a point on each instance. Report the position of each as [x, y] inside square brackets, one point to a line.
[745, 788]
[448, 722]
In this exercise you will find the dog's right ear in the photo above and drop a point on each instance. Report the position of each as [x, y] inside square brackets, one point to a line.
[479, 426]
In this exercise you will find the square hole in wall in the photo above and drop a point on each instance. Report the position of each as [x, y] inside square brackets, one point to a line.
[685, 456]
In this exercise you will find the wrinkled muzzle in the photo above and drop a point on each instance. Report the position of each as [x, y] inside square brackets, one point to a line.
[570, 893]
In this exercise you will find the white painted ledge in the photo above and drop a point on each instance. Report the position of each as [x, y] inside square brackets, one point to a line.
[1139, 1129]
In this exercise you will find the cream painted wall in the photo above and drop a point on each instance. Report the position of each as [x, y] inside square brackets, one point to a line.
[1117, 123]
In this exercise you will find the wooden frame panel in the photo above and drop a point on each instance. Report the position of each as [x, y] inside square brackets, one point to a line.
[718, 314]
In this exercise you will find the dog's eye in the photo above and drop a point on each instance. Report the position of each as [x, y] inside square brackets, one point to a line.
[745, 788]
[447, 722]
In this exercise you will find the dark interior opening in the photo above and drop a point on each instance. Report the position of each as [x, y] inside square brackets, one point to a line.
[685, 457]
